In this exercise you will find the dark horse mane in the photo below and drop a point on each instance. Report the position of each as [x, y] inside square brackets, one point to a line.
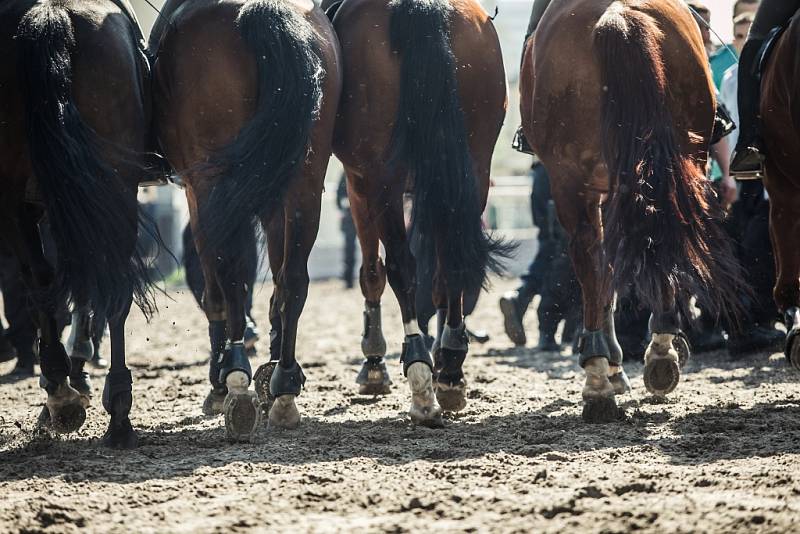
[662, 219]
[430, 142]
[254, 171]
[86, 202]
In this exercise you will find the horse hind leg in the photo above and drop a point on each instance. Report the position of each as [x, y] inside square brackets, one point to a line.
[118, 389]
[241, 407]
[373, 379]
[64, 410]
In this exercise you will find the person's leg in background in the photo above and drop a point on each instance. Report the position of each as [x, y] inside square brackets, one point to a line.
[349, 232]
[515, 303]
[22, 329]
[751, 218]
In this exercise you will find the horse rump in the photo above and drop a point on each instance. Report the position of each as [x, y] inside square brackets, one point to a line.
[662, 220]
[253, 173]
[93, 215]
[430, 143]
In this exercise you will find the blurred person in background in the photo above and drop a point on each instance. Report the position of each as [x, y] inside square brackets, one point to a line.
[349, 232]
[550, 275]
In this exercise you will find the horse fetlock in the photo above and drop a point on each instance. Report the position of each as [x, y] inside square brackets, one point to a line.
[284, 413]
[237, 381]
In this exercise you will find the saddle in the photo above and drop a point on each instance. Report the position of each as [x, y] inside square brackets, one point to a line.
[769, 45]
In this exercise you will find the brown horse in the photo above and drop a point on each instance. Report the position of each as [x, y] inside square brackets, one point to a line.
[74, 128]
[780, 111]
[618, 102]
[246, 94]
[423, 100]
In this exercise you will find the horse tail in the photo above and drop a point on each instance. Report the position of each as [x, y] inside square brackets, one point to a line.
[254, 171]
[662, 225]
[89, 207]
[430, 142]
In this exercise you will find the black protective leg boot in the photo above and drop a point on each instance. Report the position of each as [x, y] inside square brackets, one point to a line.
[748, 157]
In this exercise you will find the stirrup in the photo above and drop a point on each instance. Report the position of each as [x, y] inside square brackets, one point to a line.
[747, 169]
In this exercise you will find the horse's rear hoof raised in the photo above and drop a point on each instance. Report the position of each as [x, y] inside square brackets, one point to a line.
[242, 408]
[661, 375]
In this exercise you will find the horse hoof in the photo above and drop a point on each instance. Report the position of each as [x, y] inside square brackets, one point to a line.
[261, 384]
[121, 436]
[67, 418]
[452, 398]
[661, 375]
[284, 413]
[373, 379]
[681, 346]
[214, 403]
[66, 410]
[428, 416]
[620, 383]
[600, 410]
[241, 408]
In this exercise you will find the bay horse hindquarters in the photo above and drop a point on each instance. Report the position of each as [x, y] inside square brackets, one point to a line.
[248, 123]
[73, 133]
[628, 114]
[780, 112]
[424, 98]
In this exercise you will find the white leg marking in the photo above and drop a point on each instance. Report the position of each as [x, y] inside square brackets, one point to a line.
[411, 328]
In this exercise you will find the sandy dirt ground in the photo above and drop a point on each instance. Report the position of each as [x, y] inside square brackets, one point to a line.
[720, 455]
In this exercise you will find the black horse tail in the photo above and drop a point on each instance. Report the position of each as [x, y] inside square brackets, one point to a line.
[430, 142]
[89, 208]
[254, 171]
[663, 231]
